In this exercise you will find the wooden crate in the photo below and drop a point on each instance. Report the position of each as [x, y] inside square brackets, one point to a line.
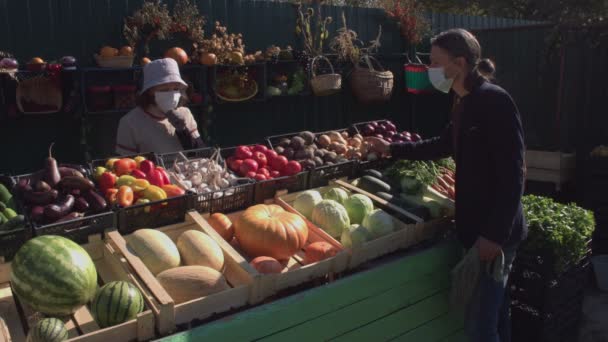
[553, 167]
[81, 325]
[237, 277]
[267, 285]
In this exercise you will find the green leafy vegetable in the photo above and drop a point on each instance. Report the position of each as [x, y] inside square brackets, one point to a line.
[414, 176]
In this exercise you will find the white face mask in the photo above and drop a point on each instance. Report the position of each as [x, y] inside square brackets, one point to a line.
[439, 81]
[167, 100]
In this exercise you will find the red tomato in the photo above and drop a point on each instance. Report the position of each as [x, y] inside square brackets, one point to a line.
[293, 168]
[271, 154]
[260, 177]
[264, 171]
[275, 174]
[236, 165]
[260, 157]
[251, 174]
[243, 152]
[249, 165]
[260, 148]
[279, 163]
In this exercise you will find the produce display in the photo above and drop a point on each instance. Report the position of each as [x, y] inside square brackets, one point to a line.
[388, 131]
[48, 330]
[130, 181]
[283, 84]
[53, 275]
[186, 283]
[232, 85]
[557, 231]
[155, 249]
[116, 302]
[261, 163]
[58, 193]
[203, 175]
[9, 219]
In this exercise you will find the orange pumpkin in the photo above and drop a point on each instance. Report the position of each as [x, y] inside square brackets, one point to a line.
[180, 56]
[208, 59]
[222, 225]
[37, 60]
[267, 265]
[126, 51]
[318, 251]
[108, 51]
[268, 230]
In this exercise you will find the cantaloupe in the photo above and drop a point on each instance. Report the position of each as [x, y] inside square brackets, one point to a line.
[191, 282]
[155, 249]
[199, 249]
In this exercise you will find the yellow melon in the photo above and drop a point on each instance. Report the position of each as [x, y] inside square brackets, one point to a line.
[155, 249]
[191, 282]
[199, 249]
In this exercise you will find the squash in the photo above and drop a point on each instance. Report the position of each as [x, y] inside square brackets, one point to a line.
[269, 230]
[155, 249]
[178, 54]
[108, 51]
[208, 58]
[222, 225]
[191, 282]
[267, 265]
[318, 251]
[198, 249]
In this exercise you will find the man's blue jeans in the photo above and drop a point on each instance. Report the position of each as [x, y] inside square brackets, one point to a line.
[487, 316]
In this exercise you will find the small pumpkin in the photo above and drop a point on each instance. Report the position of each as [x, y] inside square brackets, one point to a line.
[319, 251]
[178, 54]
[126, 51]
[222, 225]
[267, 265]
[108, 51]
[208, 58]
[269, 230]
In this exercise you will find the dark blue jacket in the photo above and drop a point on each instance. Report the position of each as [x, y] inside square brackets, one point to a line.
[489, 165]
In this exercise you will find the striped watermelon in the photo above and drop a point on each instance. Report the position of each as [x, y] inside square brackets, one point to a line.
[53, 275]
[116, 302]
[48, 330]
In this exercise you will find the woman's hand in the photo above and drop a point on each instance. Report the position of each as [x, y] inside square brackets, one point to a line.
[379, 146]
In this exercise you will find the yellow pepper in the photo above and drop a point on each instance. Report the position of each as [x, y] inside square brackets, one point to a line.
[144, 201]
[139, 159]
[125, 180]
[154, 193]
[140, 185]
[110, 163]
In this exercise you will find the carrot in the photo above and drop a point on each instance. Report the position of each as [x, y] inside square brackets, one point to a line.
[443, 183]
[452, 193]
[449, 179]
[440, 189]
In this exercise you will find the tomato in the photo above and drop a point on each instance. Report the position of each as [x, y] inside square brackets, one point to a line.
[243, 152]
[259, 148]
[271, 154]
[260, 157]
[260, 177]
[293, 168]
[250, 174]
[275, 174]
[124, 166]
[236, 165]
[249, 165]
[264, 171]
[278, 163]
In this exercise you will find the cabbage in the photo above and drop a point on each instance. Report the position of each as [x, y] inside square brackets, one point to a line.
[331, 216]
[354, 236]
[378, 223]
[337, 194]
[306, 201]
[358, 206]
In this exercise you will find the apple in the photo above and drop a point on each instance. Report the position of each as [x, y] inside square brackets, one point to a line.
[249, 165]
[293, 168]
[243, 152]
[259, 148]
[279, 163]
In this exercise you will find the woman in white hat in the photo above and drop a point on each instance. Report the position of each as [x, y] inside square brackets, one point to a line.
[158, 123]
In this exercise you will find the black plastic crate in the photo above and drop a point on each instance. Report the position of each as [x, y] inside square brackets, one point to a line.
[80, 229]
[12, 240]
[237, 197]
[102, 162]
[154, 214]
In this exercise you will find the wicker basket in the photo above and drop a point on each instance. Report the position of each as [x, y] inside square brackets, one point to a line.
[114, 62]
[39, 91]
[371, 85]
[327, 84]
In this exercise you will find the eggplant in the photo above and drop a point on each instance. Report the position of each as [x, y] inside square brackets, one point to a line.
[59, 209]
[78, 168]
[42, 186]
[71, 216]
[96, 202]
[81, 204]
[74, 182]
[51, 174]
[40, 198]
[22, 187]
[65, 171]
[37, 214]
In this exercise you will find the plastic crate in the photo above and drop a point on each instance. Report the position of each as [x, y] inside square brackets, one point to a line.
[102, 162]
[230, 199]
[12, 240]
[154, 214]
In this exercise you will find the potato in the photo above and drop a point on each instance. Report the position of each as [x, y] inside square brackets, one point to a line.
[301, 154]
[284, 142]
[330, 157]
[289, 153]
[335, 136]
[354, 142]
[320, 153]
[324, 140]
[341, 149]
[309, 137]
[279, 150]
[308, 164]
[318, 161]
[310, 152]
[297, 143]
[358, 136]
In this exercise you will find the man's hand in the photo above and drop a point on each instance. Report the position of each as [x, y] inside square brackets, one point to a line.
[379, 146]
[177, 119]
[488, 250]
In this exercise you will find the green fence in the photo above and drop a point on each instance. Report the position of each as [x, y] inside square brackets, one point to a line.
[53, 28]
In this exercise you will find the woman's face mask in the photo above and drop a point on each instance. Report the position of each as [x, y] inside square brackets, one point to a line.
[439, 80]
[167, 100]
[439, 75]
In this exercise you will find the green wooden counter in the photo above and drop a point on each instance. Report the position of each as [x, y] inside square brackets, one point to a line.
[402, 300]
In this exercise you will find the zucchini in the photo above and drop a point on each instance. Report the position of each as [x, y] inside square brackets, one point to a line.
[408, 206]
[373, 185]
[435, 209]
[14, 223]
[9, 213]
[373, 173]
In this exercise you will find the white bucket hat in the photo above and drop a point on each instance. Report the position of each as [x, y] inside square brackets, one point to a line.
[161, 71]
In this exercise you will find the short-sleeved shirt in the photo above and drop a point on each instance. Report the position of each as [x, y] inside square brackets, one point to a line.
[140, 131]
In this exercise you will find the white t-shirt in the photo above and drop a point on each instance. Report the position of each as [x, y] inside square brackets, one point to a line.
[140, 131]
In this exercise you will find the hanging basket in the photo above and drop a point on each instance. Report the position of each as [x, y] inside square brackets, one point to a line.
[39, 95]
[370, 85]
[417, 77]
[327, 84]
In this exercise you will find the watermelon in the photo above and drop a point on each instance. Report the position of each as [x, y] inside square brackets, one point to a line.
[358, 206]
[48, 330]
[116, 302]
[53, 275]
[306, 201]
[331, 216]
[378, 223]
[337, 194]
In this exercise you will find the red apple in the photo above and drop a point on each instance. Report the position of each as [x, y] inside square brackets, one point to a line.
[260, 157]
[271, 154]
[275, 174]
[416, 137]
[251, 175]
[293, 168]
[368, 130]
[236, 165]
[260, 177]
[249, 165]
[279, 163]
[243, 152]
[259, 148]
[264, 171]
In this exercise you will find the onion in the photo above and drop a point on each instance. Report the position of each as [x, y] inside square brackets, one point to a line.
[9, 63]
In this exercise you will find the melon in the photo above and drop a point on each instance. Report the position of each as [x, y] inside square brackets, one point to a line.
[337, 194]
[155, 249]
[191, 282]
[116, 302]
[331, 216]
[379, 223]
[53, 275]
[306, 201]
[354, 237]
[199, 249]
[48, 330]
[358, 206]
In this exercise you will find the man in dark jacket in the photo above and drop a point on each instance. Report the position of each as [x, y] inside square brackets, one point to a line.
[485, 137]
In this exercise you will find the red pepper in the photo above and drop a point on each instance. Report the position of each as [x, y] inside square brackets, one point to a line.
[146, 166]
[107, 180]
[155, 178]
[173, 190]
[164, 174]
[138, 174]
